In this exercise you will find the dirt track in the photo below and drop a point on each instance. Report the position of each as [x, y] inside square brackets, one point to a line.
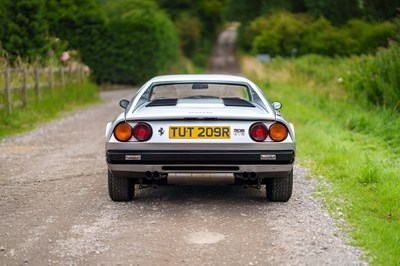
[54, 209]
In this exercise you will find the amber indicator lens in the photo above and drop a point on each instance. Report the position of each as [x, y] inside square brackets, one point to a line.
[278, 132]
[123, 132]
[258, 132]
[142, 132]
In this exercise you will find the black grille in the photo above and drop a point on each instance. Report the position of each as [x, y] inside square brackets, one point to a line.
[200, 168]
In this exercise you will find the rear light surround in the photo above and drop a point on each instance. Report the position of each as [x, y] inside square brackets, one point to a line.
[123, 132]
[142, 131]
[278, 132]
[258, 132]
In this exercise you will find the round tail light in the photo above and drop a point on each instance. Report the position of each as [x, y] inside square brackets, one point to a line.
[278, 132]
[123, 132]
[258, 132]
[142, 132]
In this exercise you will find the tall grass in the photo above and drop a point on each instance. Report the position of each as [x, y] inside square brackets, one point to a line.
[47, 107]
[376, 79]
[353, 147]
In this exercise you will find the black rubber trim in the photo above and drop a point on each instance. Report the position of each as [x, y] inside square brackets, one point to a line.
[201, 157]
[237, 102]
[163, 102]
[227, 102]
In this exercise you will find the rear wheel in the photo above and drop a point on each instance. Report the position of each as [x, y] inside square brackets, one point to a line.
[280, 189]
[120, 188]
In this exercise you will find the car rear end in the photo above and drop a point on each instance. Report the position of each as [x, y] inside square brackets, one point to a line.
[264, 148]
[161, 139]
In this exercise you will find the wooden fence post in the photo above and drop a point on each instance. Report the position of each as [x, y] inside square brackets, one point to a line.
[80, 76]
[69, 74]
[8, 90]
[37, 85]
[62, 77]
[51, 78]
[24, 87]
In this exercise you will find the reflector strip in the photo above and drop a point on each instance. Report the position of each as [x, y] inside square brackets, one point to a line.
[133, 157]
[269, 157]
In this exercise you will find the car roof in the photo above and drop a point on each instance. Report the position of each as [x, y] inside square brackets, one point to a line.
[199, 78]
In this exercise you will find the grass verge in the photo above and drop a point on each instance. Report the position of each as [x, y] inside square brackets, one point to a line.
[48, 107]
[356, 149]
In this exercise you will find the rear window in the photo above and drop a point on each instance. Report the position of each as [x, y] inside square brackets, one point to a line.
[199, 91]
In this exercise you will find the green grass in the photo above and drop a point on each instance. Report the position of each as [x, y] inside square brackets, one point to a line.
[48, 107]
[356, 149]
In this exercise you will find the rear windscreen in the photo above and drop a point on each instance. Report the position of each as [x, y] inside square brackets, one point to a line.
[198, 91]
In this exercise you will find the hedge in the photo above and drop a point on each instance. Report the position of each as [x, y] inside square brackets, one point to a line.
[286, 34]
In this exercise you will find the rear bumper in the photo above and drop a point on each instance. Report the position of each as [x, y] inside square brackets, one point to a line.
[200, 157]
[200, 161]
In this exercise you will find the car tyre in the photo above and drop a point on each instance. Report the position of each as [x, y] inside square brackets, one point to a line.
[120, 188]
[280, 189]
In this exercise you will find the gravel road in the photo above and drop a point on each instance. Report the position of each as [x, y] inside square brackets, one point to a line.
[55, 210]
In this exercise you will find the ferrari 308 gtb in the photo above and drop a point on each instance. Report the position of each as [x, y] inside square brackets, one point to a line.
[192, 125]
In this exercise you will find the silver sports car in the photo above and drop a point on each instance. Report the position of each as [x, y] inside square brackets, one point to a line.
[200, 126]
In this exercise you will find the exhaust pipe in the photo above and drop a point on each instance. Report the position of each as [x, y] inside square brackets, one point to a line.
[245, 175]
[156, 175]
[148, 175]
[253, 176]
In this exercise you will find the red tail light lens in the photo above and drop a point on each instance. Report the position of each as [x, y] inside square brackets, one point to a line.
[142, 132]
[123, 132]
[278, 132]
[258, 132]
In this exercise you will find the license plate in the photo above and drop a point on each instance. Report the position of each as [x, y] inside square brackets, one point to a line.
[196, 132]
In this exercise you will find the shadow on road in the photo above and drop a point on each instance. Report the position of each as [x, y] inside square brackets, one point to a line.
[176, 194]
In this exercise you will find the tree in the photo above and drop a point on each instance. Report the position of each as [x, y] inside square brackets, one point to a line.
[336, 11]
[298, 6]
[75, 21]
[25, 29]
[197, 23]
[247, 10]
[138, 41]
[381, 9]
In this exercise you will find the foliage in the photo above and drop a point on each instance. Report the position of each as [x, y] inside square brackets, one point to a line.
[197, 24]
[346, 144]
[137, 42]
[376, 79]
[78, 25]
[336, 11]
[278, 34]
[209, 12]
[133, 41]
[397, 30]
[24, 29]
[2, 20]
[369, 36]
[321, 37]
[189, 30]
[284, 33]
[75, 21]
[381, 9]
[244, 11]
